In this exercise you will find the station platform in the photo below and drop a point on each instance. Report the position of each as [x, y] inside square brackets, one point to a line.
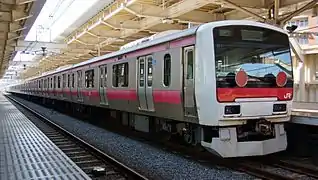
[305, 113]
[26, 153]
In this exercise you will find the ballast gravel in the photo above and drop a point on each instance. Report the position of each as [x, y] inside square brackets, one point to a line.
[145, 159]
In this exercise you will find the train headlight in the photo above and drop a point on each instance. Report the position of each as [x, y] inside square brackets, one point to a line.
[241, 78]
[232, 109]
[281, 79]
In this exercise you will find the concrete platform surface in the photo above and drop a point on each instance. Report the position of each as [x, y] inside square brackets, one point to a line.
[26, 153]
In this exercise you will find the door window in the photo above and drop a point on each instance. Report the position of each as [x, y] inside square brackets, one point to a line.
[149, 73]
[190, 64]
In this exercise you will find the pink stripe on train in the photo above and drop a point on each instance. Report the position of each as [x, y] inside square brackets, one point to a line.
[167, 96]
[159, 96]
[130, 94]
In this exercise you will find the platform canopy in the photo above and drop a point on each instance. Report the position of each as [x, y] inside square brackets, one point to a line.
[46, 28]
[16, 19]
[123, 21]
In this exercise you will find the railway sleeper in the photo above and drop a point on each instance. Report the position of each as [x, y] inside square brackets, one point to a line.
[76, 153]
[66, 150]
[82, 158]
[62, 146]
[92, 162]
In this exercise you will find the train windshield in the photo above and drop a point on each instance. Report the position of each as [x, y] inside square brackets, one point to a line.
[262, 53]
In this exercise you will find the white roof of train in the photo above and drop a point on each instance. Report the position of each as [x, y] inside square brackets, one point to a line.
[151, 42]
[146, 44]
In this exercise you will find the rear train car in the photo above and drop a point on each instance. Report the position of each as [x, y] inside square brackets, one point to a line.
[226, 86]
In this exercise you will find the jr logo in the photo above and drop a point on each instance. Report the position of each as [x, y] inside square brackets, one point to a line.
[287, 96]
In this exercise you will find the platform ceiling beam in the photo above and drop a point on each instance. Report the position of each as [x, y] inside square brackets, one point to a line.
[23, 45]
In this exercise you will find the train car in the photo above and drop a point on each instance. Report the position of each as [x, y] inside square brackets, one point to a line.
[226, 85]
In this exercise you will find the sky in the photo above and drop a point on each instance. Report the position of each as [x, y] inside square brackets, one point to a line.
[55, 17]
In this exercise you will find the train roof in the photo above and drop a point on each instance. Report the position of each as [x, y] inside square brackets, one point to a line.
[146, 44]
[161, 39]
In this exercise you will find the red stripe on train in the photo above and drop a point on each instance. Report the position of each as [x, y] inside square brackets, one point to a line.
[90, 93]
[159, 96]
[164, 96]
[122, 94]
[230, 94]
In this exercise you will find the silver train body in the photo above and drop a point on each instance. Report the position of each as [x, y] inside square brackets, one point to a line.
[178, 79]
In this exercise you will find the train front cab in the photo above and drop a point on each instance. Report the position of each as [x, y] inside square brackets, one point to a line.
[244, 100]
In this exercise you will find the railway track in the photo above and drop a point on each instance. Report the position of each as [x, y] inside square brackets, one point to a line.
[297, 167]
[269, 169]
[92, 161]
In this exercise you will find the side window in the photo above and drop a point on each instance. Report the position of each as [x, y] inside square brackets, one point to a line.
[58, 81]
[68, 80]
[54, 82]
[101, 76]
[89, 78]
[73, 80]
[167, 70]
[115, 75]
[64, 81]
[79, 79]
[190, 64]
[105, 76]
[120, 75]
[149, 73]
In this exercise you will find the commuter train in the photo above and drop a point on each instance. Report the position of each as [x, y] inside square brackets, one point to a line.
[226, 86]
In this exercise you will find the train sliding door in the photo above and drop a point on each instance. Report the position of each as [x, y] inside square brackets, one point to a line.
[144, 82]
[103, 84]
[188, 81]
